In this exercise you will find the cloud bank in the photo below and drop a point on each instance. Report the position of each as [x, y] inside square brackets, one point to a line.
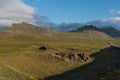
[14, 11]
[111, 22]
[114, 22]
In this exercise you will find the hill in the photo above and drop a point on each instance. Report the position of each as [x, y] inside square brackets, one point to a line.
[21, 53]
[65, 52]
[26, 27]
[92, 31]
[106, 66]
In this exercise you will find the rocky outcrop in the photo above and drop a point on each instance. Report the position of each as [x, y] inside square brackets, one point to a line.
[78, 56]
[84, 56]
[73, 56]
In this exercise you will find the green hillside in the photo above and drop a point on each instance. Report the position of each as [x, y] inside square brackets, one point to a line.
[20, 52]
[8, 74]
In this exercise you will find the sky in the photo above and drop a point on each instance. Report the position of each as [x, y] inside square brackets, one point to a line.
[75, 10]
[60, 11]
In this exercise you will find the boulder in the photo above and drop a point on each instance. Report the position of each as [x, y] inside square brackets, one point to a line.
[76, 56]
[83, 56]
[73, 56]
[44, 48]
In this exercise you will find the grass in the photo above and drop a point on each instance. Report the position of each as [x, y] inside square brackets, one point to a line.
[21, 54]
[8, 74]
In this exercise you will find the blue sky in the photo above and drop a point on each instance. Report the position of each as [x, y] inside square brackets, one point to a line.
[68, 11]
[52, 12]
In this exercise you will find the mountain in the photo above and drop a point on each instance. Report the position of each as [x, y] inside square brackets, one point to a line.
[26, 27]
[87, 27]
[111, 31]
[92, 31]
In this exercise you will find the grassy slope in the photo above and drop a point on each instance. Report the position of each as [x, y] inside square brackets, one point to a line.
[106, 66]
[21, 53]
[8, 74]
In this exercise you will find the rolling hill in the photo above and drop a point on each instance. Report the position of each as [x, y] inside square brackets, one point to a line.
[65, 57]
[26, 27]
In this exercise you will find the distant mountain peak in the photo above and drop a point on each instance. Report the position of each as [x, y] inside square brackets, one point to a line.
[87, 27]
[111, 31]
[108, 30]
[27, 27]
[92, 31]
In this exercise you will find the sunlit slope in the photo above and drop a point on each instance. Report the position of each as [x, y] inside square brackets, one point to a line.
[19, 50]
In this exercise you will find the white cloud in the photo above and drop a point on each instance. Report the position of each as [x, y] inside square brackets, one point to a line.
[13, 11]
[115, 19]
[116, 12]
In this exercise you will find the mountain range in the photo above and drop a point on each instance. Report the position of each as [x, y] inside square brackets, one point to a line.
[89, 30]
[111, 31]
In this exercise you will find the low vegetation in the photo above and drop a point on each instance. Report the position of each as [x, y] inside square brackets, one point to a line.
[21, 54]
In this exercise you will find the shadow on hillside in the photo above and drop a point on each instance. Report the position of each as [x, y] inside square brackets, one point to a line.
[106, 66]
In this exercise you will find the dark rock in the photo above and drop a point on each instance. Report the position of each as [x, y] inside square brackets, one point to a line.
[76, 56]
[59, 55]
[83, 56]
[73, 56]
[44, 48]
